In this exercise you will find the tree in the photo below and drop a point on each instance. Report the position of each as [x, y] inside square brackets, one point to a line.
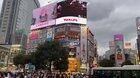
[51, 53]
[127, 62]
[21, 59]
[107, 63]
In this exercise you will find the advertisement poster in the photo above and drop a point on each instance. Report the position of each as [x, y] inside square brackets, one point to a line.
[49, 34]
[43, 14]
[120, 58]
[83, 44]
[34, 35]
[118, 37]
[75, 8]
[128, 45]
[42, 25]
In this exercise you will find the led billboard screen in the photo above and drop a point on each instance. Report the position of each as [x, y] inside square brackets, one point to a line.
[72, 8]
[118, 37]
[42, 24]
[44, 14]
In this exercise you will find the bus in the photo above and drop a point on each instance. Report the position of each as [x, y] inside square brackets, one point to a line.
[127, 71]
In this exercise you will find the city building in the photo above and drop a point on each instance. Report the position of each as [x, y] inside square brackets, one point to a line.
[119, 47]
[57, 21]
[4, 53]
[16, 16]
[138, 36]
[119, 51]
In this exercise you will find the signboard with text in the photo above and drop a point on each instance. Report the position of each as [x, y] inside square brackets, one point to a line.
[71, 19]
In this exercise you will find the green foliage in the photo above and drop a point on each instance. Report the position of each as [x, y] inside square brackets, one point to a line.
[127, 62]
[46, 54]
[21, 59]
[107, 63]
[51, 52]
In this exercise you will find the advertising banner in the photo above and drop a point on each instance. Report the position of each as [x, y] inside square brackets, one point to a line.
[83, 45]
[76, 8]
[72, 66]
[43, 14]
[49, 34]
[120, 58]
[34, 35]
[71, 19]
[42, 24]
[118, 37]
[119, 45]
[127, 45]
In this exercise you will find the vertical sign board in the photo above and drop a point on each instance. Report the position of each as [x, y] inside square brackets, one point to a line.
[120, 58]
[83, 45]
[49, 34]
[118, 38]
[128, 45]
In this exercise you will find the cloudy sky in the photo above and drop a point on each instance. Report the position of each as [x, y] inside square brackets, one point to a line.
[109, 17]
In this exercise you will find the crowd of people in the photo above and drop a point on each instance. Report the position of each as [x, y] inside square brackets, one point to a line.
[40, 74]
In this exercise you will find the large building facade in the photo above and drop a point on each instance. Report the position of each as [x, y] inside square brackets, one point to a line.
[120, 51]
[15, 21]
[65, 21]
[15, 15]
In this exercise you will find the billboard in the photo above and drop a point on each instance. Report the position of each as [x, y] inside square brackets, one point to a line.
[119, 45]
[44, 14]
[42, 24]
[120, 58]
[76, 8]
[73, 63]
[83, 45]
[34, 35]
[127, 45]
[71, 19]
[49, 34]
[118, 37]
[73, 34]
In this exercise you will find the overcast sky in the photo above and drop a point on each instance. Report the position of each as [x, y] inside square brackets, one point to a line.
[109, 17]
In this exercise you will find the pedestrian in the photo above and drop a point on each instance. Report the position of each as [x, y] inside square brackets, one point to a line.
[71, 76]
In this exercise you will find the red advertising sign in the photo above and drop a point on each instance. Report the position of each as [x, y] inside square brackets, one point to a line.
[119, 56]
[34, 35]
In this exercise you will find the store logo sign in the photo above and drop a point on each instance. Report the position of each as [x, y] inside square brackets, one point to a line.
[70, 19]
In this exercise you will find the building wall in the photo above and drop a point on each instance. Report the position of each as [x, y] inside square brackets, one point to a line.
[4, 51]
[15, 14]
